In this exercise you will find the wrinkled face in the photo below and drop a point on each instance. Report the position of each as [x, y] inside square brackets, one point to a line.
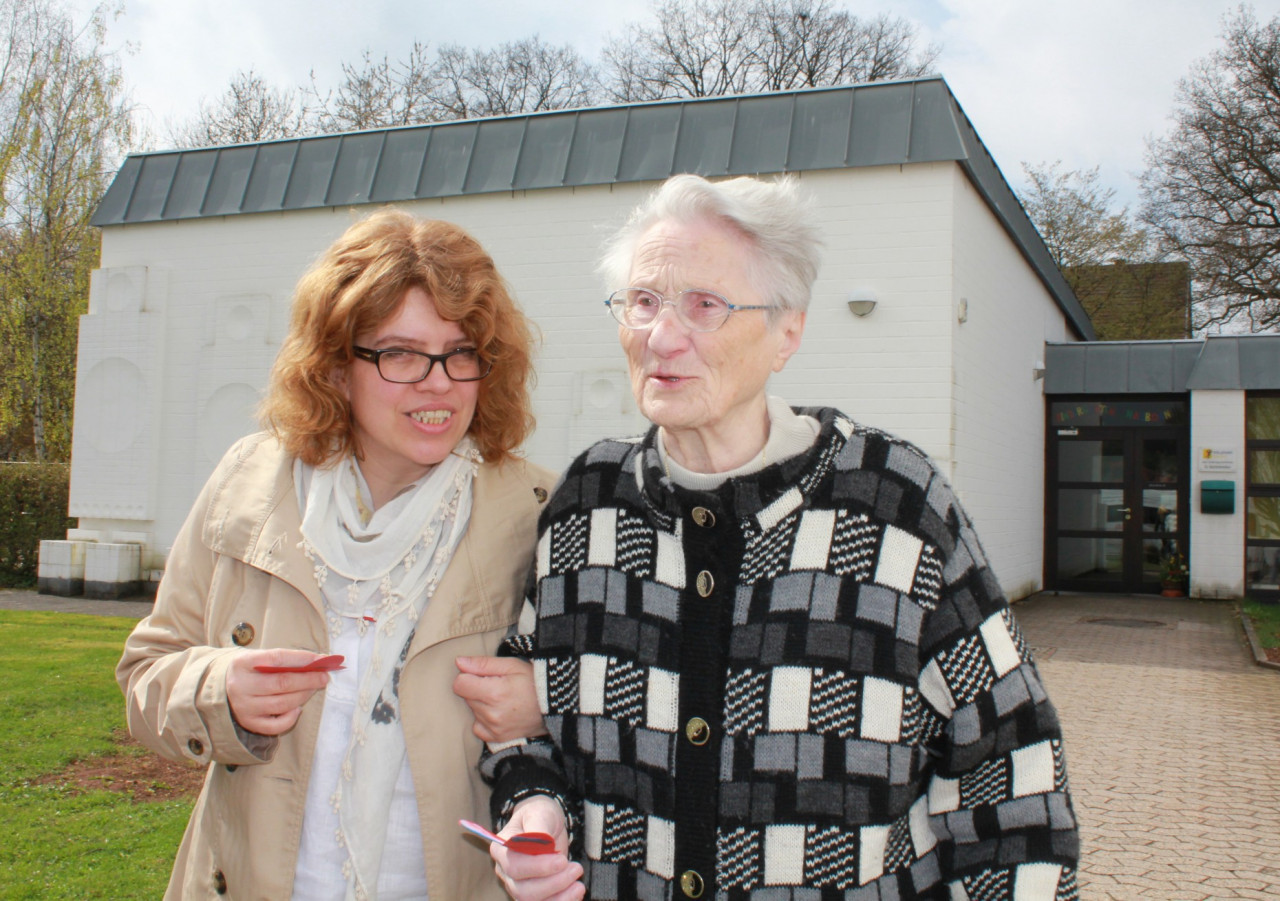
[703, 381]
[404, 430]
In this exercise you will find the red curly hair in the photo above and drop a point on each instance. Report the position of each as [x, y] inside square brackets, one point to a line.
[359, 283]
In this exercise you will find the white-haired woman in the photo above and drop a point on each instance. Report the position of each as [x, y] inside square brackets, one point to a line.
[769, 651]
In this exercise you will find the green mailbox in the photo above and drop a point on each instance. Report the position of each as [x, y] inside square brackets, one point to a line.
[1217, 496]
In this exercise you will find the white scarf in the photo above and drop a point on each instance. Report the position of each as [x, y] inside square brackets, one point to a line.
[379, 568]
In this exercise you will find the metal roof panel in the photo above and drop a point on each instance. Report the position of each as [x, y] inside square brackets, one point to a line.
[229, 180]
[311, 174]
[597, 146]
[444, 171]
[190, 185]
[269, 177]
[706, 137]
[493, 160]
[544, 155]
[400, 165]
[154, 182]
[820, 131]
[649, 145]
[880, 132]
[761, 135]
[353, 172]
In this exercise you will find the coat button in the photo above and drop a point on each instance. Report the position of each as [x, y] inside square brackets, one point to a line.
[196, 747]
[697, 730]
[704, 517]
[691, 884]
[242, 634]
[541, 494]
[219, 882]
[706, 584]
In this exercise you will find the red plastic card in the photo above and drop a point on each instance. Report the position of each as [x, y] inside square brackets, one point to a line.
[319, 665]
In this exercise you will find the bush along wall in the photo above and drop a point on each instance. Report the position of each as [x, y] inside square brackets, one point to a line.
[33, 507]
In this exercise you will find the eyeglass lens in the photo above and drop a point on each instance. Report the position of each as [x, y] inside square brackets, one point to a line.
[460, 365]
[702, 311]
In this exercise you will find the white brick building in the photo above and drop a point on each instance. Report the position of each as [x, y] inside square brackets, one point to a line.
[201, 250]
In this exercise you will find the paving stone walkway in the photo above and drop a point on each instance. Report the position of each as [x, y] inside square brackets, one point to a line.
[1173, 745]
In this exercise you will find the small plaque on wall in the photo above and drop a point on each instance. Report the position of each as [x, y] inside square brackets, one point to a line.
[1212, 459]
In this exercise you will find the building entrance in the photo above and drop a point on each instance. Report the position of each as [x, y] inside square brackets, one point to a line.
[1117, 492]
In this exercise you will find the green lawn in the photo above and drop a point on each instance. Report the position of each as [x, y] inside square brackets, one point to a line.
[58, 703]
[1266, 622]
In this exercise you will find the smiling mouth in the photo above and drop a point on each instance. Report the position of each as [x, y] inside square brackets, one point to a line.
[431, 417]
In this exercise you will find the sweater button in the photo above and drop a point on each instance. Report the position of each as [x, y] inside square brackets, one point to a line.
[242, 634]
[691, 884]
[706, 584]
[703, 517]
[698, 731]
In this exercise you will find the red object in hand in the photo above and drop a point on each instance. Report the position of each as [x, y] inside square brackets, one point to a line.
[319, 665]
[522, 843]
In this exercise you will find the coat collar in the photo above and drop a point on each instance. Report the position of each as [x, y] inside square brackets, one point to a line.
[254, 517]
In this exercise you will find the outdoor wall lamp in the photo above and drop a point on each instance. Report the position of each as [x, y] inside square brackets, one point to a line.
[862, 301]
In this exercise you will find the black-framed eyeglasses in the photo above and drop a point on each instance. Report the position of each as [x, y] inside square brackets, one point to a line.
[462, 364]
[699, 309]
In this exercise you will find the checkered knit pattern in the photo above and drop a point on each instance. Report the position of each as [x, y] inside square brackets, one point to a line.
[874, 726]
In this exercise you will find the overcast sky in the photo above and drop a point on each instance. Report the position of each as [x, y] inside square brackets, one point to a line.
[1084, 81]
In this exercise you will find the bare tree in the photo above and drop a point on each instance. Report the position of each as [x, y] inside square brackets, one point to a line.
[379, 94]
[249, 110]
[701, 48]
[520, 77]
[1212, 189]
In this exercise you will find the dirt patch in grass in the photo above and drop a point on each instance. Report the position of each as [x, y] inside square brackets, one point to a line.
[144, 776]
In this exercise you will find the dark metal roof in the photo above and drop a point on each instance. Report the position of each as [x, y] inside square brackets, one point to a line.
[884, 123]
[1164, 367]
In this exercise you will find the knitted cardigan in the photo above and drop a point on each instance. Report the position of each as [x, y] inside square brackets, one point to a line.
[805, 684]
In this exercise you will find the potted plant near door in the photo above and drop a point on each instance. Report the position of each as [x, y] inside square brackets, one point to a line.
[1173, 575]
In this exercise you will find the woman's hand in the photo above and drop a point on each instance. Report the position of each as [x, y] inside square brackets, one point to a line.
[270, 703]
[538, 877]
[500, 693]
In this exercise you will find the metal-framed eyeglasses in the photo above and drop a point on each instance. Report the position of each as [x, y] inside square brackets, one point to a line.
[700, 310]
[462, 364]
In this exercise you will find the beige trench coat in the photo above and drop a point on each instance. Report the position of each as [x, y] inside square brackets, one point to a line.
[237, 577]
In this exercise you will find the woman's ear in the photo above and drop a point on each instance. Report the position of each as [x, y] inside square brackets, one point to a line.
[790, 329]
[339, 379]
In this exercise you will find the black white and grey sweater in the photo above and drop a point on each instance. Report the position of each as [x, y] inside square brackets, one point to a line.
[805, 684]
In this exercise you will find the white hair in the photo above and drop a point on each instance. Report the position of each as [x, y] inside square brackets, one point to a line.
[775, 218]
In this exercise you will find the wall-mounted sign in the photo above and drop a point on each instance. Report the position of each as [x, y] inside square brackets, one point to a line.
[1214, 459]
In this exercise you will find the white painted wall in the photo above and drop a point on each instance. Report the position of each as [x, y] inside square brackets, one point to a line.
[1217, 540]
[998, 409]
[218, 292]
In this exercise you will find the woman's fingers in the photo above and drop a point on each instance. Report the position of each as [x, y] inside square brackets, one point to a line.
[538, 877]
[270, 703]
[501, 695]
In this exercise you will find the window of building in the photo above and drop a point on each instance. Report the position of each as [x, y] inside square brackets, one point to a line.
[1262, 495]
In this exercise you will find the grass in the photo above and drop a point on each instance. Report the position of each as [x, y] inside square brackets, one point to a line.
[1266, 622]
[59, 702]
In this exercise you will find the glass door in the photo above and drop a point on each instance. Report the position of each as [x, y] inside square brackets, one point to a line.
[1115, 504]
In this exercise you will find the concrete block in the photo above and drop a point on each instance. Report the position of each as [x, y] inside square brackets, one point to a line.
[60, 570]
[112, 570]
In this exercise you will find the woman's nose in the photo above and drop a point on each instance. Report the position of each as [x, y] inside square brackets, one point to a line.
[667, 330]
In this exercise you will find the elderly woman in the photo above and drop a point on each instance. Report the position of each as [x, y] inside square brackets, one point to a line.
[772, 659]
[381, 517]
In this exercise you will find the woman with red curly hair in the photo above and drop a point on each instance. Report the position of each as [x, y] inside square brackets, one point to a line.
[381, 524]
